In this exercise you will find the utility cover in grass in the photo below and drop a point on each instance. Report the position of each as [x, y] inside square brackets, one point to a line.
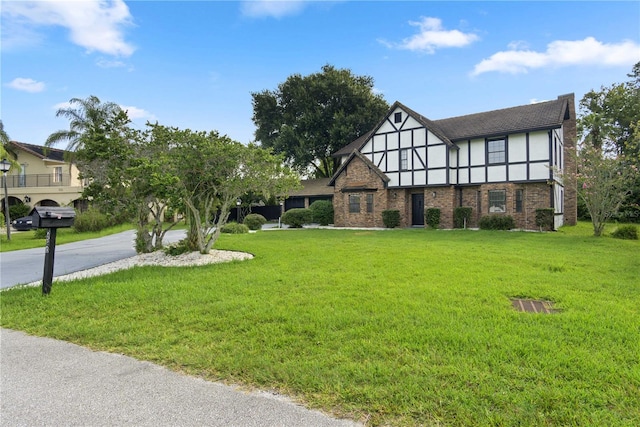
[533, 306]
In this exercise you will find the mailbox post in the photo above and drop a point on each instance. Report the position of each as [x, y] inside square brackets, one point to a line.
[51, 218]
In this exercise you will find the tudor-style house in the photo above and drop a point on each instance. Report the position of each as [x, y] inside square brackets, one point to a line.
[502, 162]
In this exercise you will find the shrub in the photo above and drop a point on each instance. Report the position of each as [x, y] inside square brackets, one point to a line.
[497, 222]
[90, 220]
[3, 220]
[432, 217]
[544, 218]
[296, 217]
[461, 216]
[178, 248]
[254, 221]
[19, 210]
[40, 233]
[322, 212]
[234, 228]
[391, 218]
[627, 232]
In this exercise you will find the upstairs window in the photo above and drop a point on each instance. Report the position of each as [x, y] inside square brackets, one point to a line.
[397, 118]
[57, 174]
[354, 203]
[497, 201]
[404, 159]
[496, 152]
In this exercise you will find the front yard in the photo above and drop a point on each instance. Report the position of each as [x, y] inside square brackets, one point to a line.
[398, 327]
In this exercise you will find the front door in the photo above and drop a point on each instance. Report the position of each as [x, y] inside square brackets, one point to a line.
[417, 209]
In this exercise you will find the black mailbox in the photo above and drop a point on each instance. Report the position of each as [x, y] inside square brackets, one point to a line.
[52, 217]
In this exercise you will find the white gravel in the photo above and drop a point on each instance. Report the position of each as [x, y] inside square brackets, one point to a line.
[155, 258]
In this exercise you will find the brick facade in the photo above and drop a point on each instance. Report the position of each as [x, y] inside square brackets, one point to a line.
[570, 137]
[359, 179]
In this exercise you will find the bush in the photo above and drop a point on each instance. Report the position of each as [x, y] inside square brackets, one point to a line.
[432, 217]
[627, 232]
[296, 217]
[461, 216]
[40, 233]
[234, 228]
[497, 222]
[391, 218]
[178, 248]
[544, 218]
[90, 220]
[19, 210]
[254, 221]
[3, 220]
[322, 212]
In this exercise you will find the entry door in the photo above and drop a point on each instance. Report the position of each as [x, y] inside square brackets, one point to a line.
[417, 209]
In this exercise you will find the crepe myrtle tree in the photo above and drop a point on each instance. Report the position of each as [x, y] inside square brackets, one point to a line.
[605, 179]
[213, 171]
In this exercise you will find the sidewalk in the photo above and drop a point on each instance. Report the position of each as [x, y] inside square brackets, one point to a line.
[46, 382]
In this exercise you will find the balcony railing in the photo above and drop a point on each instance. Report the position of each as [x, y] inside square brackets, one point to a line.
[38, 180]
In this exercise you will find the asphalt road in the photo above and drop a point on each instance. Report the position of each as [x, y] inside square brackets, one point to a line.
[46, 382]
[26, 266]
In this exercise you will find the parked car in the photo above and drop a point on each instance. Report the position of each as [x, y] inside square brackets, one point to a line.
[24, 223]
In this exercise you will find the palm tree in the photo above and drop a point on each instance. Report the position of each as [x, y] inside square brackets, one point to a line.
[90, 115]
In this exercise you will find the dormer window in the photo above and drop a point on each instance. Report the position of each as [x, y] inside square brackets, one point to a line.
[397, 118]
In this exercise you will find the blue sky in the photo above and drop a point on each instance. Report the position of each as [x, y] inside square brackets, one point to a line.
[195, 64]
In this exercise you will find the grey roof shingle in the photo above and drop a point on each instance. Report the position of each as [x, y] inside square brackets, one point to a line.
[544, 115]
[524, 118]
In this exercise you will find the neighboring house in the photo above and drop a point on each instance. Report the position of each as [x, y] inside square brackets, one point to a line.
[45, 177]
[502, 162]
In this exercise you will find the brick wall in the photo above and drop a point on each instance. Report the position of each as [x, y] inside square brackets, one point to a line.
[569, 137]
[358, 174]
[535, 196]
[443, 198]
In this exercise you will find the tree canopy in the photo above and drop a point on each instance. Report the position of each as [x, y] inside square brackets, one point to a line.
[309, 118]
[609, 154]
[138, 174]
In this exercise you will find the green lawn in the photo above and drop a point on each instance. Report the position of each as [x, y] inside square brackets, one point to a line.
[398, 327]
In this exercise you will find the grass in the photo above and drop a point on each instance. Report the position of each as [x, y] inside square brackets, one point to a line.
[400, 327]
[28, 240]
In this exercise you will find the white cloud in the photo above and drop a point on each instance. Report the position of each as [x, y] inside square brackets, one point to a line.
[26, 85]
[432, 36]
[271, 8]
[138, 113]
[561, 53]
[94, 25]
[107, 63]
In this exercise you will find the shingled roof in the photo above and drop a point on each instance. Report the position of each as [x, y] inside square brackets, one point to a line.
[44, 153]
[524, 118]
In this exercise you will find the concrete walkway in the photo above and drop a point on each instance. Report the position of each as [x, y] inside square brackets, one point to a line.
[46, 382]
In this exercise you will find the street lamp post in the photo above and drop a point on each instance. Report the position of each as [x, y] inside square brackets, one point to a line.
[238, 203]
[4, 167]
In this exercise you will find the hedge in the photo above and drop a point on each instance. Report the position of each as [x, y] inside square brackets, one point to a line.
[296, 217]
[391, 218]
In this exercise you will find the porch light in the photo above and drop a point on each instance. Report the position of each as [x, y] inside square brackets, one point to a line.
[4, 167]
